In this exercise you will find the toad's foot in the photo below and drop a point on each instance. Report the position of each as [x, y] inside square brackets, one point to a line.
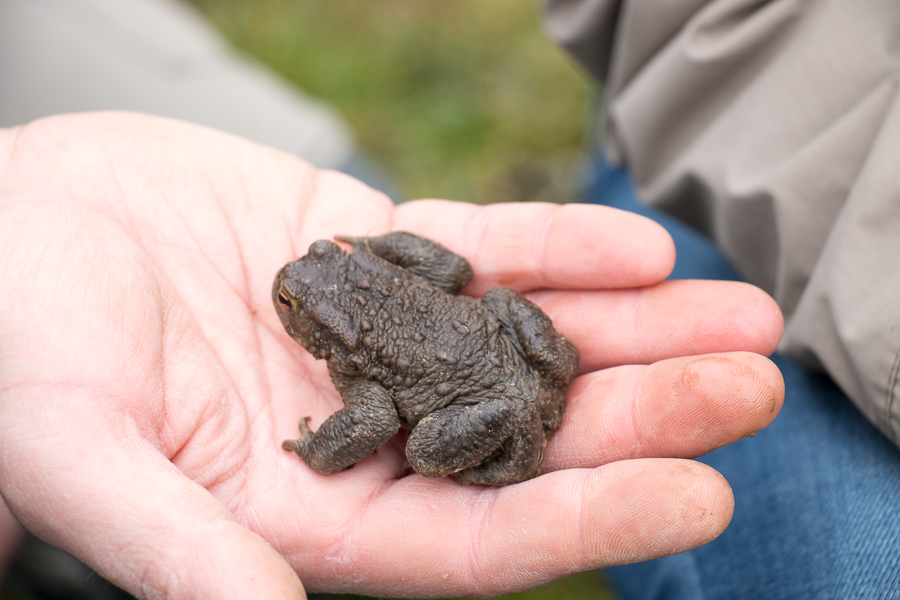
[367, 420]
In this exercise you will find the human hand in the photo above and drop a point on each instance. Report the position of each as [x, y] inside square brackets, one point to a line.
[147, 383]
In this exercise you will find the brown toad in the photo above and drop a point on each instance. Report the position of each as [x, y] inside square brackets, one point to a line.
[480, 384]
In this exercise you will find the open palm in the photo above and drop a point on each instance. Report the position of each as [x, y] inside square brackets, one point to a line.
[146, 383]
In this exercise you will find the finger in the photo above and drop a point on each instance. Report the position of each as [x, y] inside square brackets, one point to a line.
[682, 407]
[111, 499]
[342, 205]
[673, 318]
[447, 541]
[532, 246]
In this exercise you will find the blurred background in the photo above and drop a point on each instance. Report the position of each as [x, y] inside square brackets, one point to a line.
[458, 99]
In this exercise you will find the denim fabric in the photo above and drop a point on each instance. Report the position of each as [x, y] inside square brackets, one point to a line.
[817, 494]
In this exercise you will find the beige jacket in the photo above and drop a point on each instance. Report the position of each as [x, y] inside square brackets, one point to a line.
[774, 127]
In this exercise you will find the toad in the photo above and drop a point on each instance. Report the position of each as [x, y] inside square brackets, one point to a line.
[479, 384]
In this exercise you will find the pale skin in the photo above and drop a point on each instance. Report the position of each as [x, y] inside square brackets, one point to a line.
[146, 383]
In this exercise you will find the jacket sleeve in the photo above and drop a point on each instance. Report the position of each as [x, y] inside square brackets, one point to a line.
[613, 39]
[773, 126]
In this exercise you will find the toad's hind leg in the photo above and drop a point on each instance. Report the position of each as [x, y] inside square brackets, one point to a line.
[491, 443]
[532, 331]
[368, 420]
[418, 255]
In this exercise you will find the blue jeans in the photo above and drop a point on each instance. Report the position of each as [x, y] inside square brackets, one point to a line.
[817, 494]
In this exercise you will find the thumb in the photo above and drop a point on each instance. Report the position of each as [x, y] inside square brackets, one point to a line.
[108, 497]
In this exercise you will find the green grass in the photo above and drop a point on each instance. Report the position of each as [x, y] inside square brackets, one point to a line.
[461, 99]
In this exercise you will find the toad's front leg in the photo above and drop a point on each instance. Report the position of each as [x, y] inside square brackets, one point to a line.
[367, 420]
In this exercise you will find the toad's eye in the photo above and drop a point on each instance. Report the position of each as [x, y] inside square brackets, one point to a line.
[283, 300]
